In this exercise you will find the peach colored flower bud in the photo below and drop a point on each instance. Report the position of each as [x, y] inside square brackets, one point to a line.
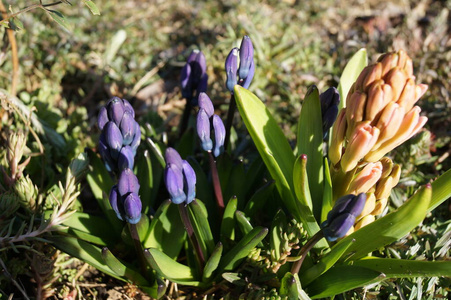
[380, 206]
[387, 166]
[338, 136]
[396, 78]
[389, 122]
[355, 112]
[385, 185]
[364, 138]
[364, 221]
[379, 95]
[366, 178]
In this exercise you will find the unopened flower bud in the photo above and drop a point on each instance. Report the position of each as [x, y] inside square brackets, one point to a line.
[366, 178]
[206, 104]
[231, 66]
[190, 182]
[203, 130]
[102, 119]
[250, 75]
[128, 182]
[246, 57]
[173, 157]
[113, 138]
[126, 158]
[220, 132]
[330, 100]
[116, 202]
[115, 109]
[137, 138]
[132, 208]
[128, 128]
[173, 178]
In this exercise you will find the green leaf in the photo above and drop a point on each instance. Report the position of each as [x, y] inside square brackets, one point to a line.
[58, 18]
[290, 287]
[93, 229]
[166, 232]
[234, 257]
[101, 183]
[121, 269]
[157, 150]
[144, 173]
[441, 190]
[85, 252]
[327, 192]
[341, 279]
[325, 263]
[402, 268]
[228, 222]
[169, 268]
[201, 226]
[389, 228]
[310, 143]
[350, 74]
[92, 7]
[212, 263]
[274, 150]
[277, 228]
[258, 199]
[301, 182]
[114, 46]
[243, 222]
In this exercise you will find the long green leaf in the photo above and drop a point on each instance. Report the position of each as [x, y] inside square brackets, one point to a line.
[121, 269]
[290, 287]
[402, 268]
[212, 263]
[145, 175]
[277, 227]
[389, 228]
[201, 226]
[350, 74]
[274, 150]
[234, 257]
[228, 222]
[169, 268]
[341, 279]
[327, 193]
[441, 190]
[310, 143]
[166, 232]
[258, 199]
[243, 222]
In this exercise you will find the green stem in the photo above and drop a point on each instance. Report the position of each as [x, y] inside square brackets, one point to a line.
[216, 184]
[183, 210]
[305, 249]
[138, 247]
[31, 7]
[340, 181]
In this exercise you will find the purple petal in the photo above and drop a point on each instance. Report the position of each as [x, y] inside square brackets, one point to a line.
[190, 182]
[115, 202]
[128, 182]
[113, 138]
[115, 109]
[250, 76]
[246, 57]
[231, 65]
[203, 130]
[126, 158]
[128, 128]
[220, 132]
[173, 179]
[206, 104]
[102, 119]
[132, 208]
[173, 157]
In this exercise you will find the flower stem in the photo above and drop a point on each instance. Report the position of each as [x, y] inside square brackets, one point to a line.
[305, 249]
[138, 247]
[185, 118]
[229, 121]
[216, 184]
[183, 210]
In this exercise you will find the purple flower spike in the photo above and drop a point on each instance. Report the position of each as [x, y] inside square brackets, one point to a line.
[203, 130]
[220, 132]
[339, 227]
[342, 216]
[115, 108]
[190, 182]
[126, 158]
[231, 66]
[116, 202]
[173, 179]
[128, 128]
[330, 100]
[113, 138]
[132, 208]
[102, 119]
[173, 157]
[250, 76]
[246, 57]
[206, 104]
[128, 183]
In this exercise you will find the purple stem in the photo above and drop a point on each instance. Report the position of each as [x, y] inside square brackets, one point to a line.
[216, 184]
[189, 230]
[305, 249]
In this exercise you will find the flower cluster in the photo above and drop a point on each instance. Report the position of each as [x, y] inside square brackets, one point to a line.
[118, 142]
[179, 177]
[120, 135]
[194, 78]
[243, 74]
[209, 124]
[341, 219]
[379, 114]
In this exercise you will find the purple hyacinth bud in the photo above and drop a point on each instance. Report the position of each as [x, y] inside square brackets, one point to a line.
[185, 80]
[246, 57]
[231, 66]
[339, 227]
[105, 153]
[132, 208]
[115, 109]
[173, 178]
[342, 216]
[128, 128]
[102, 119]
[203, 130]
[126, 158]
[128, 107]
[189, 182]
[250, 76]
[116, 202]
[329, 118]
[113, 138]
[206, 104]
[136, 138]
[198, 65]
[201, 88]
[330, 100]
[220, 132]
[201, 63]
[173, 157]
[128, 182]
